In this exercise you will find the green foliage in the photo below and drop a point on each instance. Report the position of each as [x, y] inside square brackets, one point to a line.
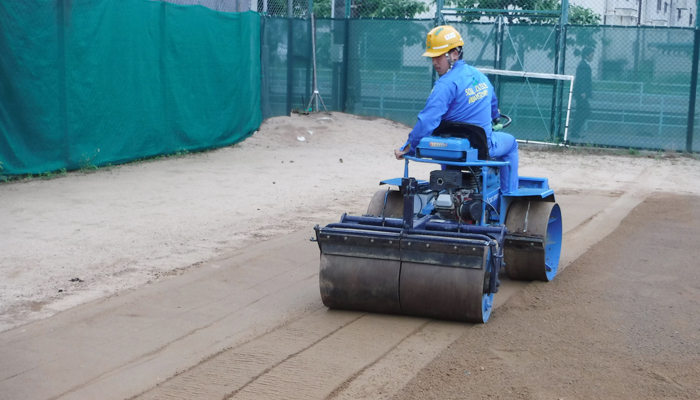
[390, 8]
[531, 32]
[579, 15]
[375, 8]
[86, 162]
[322, 9]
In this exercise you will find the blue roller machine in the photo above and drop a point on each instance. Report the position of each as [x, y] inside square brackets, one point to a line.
[435, 248]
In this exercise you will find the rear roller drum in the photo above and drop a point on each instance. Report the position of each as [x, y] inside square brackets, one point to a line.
[387, 204]
[533, 245]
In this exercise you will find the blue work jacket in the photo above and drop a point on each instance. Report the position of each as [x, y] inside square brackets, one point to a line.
[463, 94]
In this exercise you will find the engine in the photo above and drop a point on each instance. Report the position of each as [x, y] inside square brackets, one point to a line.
[458, 196]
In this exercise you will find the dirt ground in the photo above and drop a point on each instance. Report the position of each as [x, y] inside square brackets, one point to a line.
[622, 322]
[619, 322]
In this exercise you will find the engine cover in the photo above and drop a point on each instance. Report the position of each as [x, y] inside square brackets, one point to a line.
[441, 180]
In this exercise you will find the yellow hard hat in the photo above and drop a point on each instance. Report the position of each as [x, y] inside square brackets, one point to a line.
[442, 39]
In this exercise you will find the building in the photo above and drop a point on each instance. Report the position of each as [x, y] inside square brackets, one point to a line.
[676, 13]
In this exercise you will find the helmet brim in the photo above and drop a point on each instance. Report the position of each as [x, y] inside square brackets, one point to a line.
[445, 49]
[434, 53]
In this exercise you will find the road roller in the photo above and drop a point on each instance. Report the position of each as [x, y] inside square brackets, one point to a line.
[438, 248]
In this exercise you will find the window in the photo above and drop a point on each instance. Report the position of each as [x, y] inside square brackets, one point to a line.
[679, 15]
[665, 8]
[690, 19]
[658, 5]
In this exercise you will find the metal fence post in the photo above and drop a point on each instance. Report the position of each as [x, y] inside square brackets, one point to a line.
[290, 55]
[498, 37]
[439, 19]
[344, 65]
[693, 86]
[559, 58]
[310, 49]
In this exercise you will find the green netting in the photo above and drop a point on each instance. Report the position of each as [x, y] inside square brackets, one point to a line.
[287, 68]
[641, 85]
[91, 83]
[387, 76]
[84, 83]
[356, 73]
[694, 139]
[640, 76]
[531, 103]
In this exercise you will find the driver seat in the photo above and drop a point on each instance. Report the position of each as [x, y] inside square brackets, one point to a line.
[474, 133]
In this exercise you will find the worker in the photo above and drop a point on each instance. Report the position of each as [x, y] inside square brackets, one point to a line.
[462, 94]
[583, 91]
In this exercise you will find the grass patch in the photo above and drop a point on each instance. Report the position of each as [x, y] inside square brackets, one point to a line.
[87, 166]
[591, 149]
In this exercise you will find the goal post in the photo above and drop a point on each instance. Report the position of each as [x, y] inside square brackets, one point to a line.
[538, 75]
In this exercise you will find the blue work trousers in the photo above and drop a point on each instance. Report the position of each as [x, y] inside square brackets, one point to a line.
[504, 147]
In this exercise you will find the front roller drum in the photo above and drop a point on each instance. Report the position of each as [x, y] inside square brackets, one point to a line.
[360, 284]
[444, 292]
[459, 293]
[533, 244]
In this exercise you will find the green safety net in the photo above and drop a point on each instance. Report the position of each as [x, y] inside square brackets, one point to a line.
[640, 76]
[640, 87]
[85, 83]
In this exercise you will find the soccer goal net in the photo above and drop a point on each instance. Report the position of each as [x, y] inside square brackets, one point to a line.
[538, 103]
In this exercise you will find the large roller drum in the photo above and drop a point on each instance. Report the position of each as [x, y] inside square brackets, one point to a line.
[420, 275]
[360, 272]
[533, 244]
[360, 284]
[386, 203]
[446, 279]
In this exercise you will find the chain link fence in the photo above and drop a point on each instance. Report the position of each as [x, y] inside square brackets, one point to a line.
[284, 8]
[635, 63]
[639, 93]
[635, 78]
[218, 5]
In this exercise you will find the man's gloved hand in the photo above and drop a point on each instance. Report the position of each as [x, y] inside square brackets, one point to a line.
[496, 124]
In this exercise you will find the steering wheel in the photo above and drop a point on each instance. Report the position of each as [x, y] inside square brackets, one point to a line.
[499, 123]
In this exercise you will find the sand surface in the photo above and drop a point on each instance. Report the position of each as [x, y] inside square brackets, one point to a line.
[150, 232]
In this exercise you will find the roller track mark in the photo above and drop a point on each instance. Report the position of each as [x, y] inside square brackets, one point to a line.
[318, 370]
[175, 317]
[163, 351]
[596, 228]
[237, 367]
[385, 377]
[668, 380]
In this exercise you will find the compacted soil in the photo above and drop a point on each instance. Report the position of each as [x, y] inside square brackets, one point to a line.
[194, 278]
[621, 322]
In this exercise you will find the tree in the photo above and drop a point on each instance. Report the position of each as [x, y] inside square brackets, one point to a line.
[583, 37]
[579, 15]
[529, 32]
[375, 8]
